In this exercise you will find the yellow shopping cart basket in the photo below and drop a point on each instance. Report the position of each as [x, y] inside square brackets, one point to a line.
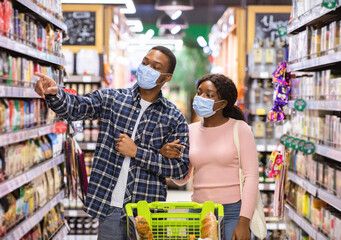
[173, 224]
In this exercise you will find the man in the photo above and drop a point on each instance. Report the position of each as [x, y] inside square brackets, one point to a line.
[134, 124]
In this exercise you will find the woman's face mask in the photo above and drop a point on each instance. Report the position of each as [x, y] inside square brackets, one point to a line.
[147, 77]
[204, 106]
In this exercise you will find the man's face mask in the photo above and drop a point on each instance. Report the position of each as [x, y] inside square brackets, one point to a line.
[147, 77]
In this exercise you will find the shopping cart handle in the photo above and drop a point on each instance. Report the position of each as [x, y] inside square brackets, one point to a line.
[175, 205]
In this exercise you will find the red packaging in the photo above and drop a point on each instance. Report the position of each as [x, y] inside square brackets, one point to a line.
[7, 7]
[1, 18]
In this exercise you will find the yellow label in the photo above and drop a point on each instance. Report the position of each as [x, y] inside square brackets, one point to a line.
[260, 111]
[257, 55]
[269, 55]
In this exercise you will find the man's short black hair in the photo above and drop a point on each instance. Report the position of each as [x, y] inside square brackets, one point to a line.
[170, 55]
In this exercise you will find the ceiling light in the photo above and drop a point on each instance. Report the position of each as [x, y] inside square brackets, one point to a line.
[201, 41]
[135, 25]
[174, 14]
[183, 5]
[164, 21]
[175, 30]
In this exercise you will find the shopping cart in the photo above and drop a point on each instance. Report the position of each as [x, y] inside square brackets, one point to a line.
[173, 224]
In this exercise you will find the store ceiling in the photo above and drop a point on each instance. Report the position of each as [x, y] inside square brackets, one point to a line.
[205, 12]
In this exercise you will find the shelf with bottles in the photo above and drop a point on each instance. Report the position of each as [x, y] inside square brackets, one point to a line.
[319, 175]
[19, 71]
[25, 34]
[49, 11]
[312, 214]
[301, 223]
[322, 129]
[308, 13]
[315, 48]
[83, 79]
[321, 90]
[38, 222]
[14, 92]
[265, 133]
[88, 138]
[265, 56]
[80, 226]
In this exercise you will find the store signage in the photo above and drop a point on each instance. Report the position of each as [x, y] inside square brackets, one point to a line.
[295, 143]
[282, 31]
[309, 148]
[330, 4]
[289, 141]
[60, 127]
[301, 145]
[283, 139]
[300, 105]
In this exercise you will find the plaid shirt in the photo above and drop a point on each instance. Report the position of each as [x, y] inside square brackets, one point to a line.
[117, 110]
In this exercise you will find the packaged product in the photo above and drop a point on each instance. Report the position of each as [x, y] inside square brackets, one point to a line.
[19, 197]
[50, 184]
[143, 228]
[209, 227]
[334, 32]
[2, 221]
[57, 175]
[2, 116]
[39, 150]
[17, 118]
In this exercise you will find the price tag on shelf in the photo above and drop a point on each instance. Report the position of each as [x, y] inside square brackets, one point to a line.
[264, 75]
[91, 146]
[86, 79]
[261, 148]
[73, 213]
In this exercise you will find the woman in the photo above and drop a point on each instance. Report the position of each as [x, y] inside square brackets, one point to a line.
[214, 157]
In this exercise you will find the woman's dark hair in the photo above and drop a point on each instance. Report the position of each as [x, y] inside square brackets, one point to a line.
[227, 90]
[170, 55]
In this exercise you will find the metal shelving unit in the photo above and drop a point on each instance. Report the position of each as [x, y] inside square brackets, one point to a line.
[61, 234]
[25, 134]
[18, 181]
[315, 63]
[34, 8]
[304, 224]
[311, 17]
[327, 105]
[15, 92]
[20, 48]
[22, 228]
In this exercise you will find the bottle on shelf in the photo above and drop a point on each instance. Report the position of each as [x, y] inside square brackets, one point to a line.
[258, 127]
[269, 56]
[256, 61]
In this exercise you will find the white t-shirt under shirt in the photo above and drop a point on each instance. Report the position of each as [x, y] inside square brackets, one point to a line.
[117, 197]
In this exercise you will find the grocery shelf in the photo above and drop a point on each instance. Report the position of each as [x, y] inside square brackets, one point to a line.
[328, 105]
[315, 63]
[83, 79]
[22, 228]
[18, 181]
[17, 92]
[329, 152]
[316, 191]
[61, 234]
[20, 48]
[267, 186]
[45, 15]
[301, 222]
[330, 199]
[87, 145]
[266, 145]
[25, 134]
[260, 75]
[275, 226]
[311, 188]
[313, 16]
[75, 213]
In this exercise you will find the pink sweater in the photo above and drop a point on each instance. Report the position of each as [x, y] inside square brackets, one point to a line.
[214, 159]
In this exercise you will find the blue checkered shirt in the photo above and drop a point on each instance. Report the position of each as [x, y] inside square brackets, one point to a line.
[118, 110]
